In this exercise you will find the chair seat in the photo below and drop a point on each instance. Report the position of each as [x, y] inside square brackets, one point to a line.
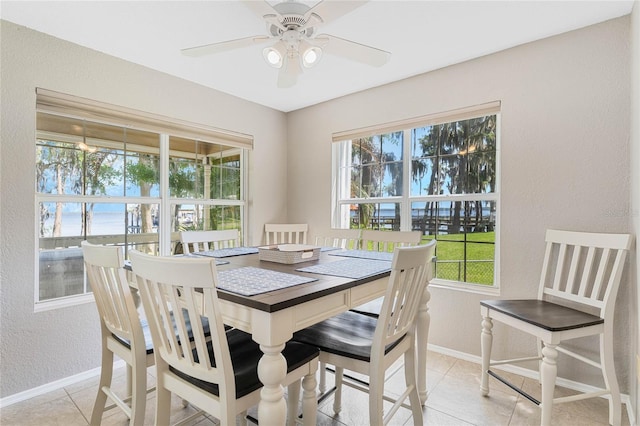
[348, 334]
[543, 314]
[245, 354]
[147, 332]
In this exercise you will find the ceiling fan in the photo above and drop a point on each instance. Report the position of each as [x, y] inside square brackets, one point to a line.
[293, 26]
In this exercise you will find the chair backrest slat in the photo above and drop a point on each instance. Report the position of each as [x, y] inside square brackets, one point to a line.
[387, 241]
[600, 274]
[196, 241]
[584, 282]
[177, 290]
[348, 239]
[584, 268]
[285, 233]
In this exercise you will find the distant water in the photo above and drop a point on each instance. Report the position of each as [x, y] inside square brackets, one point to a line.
[103, 223]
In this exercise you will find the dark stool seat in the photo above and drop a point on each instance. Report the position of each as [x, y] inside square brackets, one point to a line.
[347, 334]
[543, 314]
[245, 354]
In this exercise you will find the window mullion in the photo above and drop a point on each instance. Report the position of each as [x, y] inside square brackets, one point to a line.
[165, 205]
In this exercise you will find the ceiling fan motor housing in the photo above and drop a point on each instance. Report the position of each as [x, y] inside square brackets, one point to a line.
[293, 18]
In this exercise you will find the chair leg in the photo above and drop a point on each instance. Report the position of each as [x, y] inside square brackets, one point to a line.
[106, 374]
[610, 379]
[411, 382]
[548, 374]
[337, 397]
[139, 391]
[309, 400]
[322, 387]
[163, 403]
[293, 397]
[376, 392]
[486, 341]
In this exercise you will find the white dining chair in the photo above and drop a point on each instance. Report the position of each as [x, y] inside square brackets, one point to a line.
[197, 241]
[348, 239]
[369, 346]
[121, 330]
[385, 241]
[218, 375]
[580, 277]
[284, 233]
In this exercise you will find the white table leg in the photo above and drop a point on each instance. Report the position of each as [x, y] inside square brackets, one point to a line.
[422, 337]
[272, 370]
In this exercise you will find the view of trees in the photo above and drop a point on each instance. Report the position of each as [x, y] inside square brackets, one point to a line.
[449, 158]
[66, 166]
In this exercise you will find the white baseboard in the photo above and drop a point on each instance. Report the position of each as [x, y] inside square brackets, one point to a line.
[525, 372]
[55, 385]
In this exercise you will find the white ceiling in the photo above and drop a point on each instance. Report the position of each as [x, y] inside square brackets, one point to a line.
[421, 35]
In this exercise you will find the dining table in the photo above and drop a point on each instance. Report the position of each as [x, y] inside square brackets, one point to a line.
[272, 300]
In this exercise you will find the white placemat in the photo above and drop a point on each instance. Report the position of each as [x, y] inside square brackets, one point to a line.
[349, 268]
[365, 254]
[227, 252]
[249, 281]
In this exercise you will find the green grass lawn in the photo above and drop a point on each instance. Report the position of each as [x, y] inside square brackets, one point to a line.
[480, 254]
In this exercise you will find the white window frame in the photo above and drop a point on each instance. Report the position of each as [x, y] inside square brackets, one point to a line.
[406, 200]
[96, 112]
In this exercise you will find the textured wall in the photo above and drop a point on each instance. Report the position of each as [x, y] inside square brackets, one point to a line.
[38, 348]
[564, 161]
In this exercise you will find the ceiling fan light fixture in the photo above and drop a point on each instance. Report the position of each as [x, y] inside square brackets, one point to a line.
[273, 56]
[310, 55]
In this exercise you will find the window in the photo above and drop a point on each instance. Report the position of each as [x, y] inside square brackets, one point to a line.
[118, 184]
[434, 174]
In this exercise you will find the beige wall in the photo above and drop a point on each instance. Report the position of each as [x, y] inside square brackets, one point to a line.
[564, 161]
[635, 192]
[38, 348]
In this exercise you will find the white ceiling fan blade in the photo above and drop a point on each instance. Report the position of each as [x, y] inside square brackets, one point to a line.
[223, 46]
[333, 45]
[260, 8]
[289, 72]
[332, 10]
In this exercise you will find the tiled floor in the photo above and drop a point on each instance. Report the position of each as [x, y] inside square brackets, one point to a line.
[454, 399]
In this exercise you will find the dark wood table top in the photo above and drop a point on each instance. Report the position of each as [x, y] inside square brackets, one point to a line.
[274, 301]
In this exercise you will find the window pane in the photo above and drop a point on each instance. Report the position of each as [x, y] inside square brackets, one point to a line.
[392, 179]
[423, 171]
[422, 144]
[142, 164]
[481, 178]
[58, 167]
[391, 146]
[370, 185]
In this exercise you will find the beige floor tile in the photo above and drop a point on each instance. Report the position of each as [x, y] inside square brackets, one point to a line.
[437, 418]
[454, 400]
[43, 412]
[462, 399]
[593, 411]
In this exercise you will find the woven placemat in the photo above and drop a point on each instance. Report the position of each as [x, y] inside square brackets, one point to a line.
[365, 254]
[227, 252]
[350, 268]
[249, 281]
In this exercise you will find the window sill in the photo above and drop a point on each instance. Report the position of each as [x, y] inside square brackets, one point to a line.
[63, 302]
[465, 287]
